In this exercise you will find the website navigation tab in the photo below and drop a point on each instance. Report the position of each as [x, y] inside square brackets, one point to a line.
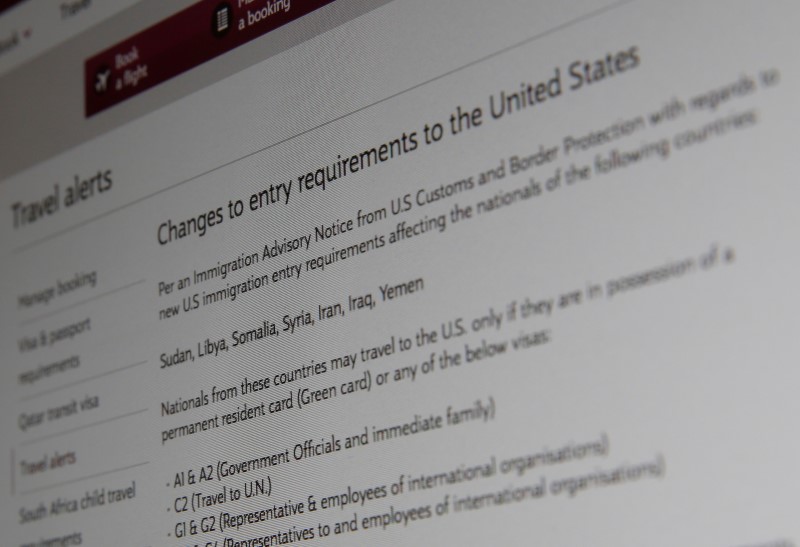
[181, 42]
[31, 28]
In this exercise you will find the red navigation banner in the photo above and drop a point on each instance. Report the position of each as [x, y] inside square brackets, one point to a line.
[181, 42]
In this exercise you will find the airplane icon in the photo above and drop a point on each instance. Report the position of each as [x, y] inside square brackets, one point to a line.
[101, 79]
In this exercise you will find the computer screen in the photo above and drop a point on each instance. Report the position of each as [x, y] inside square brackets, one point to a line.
[284, 272]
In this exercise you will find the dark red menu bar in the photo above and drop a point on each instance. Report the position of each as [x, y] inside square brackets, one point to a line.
[181, 42]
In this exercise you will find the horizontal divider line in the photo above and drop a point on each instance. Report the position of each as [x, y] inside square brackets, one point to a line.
[76, 304]
[81, 381]
[80, 427]
[63, 483]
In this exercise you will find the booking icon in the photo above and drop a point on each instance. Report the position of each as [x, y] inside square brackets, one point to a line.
[221, 21]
